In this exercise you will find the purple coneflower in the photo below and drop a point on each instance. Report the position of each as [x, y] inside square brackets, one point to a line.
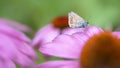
[91, 48]
[58, 26]
[16, 25]
[50, 31]
[15, 46]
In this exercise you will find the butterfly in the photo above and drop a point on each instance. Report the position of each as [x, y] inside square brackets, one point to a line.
[75, 21]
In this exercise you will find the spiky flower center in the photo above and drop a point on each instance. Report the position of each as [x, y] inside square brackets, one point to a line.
[101, 51]
[61, 22]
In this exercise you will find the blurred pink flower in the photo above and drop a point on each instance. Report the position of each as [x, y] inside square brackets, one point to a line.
[15, 46]
[16, 25]
[58, 26]
[72, 48]
[50, 31]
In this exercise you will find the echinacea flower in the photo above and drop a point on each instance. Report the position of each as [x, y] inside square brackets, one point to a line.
[16, 25]
[92, 48]
[50, 31]
[58, 26]
[15, 47]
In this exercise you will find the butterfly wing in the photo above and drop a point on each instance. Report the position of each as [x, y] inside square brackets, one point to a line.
[75, 20]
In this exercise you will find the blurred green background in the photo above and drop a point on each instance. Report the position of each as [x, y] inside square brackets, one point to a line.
[37, 13]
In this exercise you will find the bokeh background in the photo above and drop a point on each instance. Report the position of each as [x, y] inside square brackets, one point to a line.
[37, 13]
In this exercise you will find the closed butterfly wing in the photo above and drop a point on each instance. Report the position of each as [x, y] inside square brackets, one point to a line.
[75, 20]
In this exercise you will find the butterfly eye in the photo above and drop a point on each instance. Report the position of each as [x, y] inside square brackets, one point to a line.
[75, 21]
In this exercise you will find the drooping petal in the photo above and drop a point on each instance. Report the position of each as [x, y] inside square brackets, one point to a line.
[64, 46]
[46, 34]
[23, 60]
[25, 48]
[92, 30]
[13, 33]
[59, 64]
[19, 40]
[15, 45]
[16, 25]
[70, 31]
[8, 46]
[5, 62]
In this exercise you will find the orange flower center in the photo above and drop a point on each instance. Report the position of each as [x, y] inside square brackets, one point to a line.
[61, 22]
[101, 51]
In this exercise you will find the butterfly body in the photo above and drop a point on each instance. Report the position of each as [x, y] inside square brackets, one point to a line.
[81, 25]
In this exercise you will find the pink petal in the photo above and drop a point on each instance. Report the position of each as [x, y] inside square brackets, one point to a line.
[82, 37]
[90, 31]
[59, 64]
[70, 31]
[23, 60]
[46, 34]
[5, 62]
[9, 48]
[16, 25]
[25, 49]
[117, 34]
[13, 33]
[63, 46]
